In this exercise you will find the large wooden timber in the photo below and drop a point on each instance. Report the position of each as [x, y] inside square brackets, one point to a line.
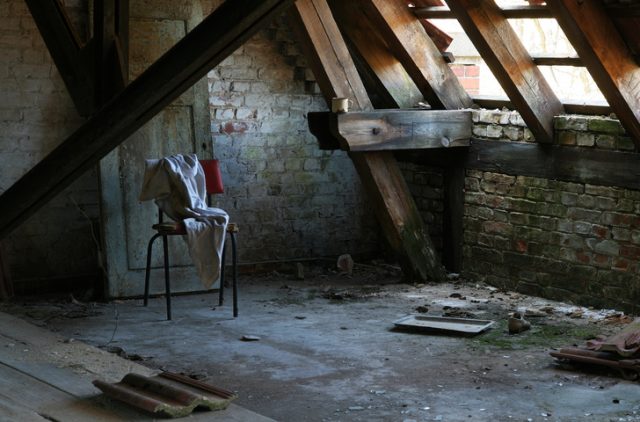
[66, 50]
[396, 129]
[418, 54]
[381, 177]
[205, 46]
[111, 48]
[570, 164]
[364, 36]
[502, 50]
[607, 57]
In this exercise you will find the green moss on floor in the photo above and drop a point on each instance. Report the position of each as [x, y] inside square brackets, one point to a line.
[540, 335]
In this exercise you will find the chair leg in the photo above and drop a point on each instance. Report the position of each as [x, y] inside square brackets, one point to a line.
[165, 245]
[234, 263]
[222, 265]
[148, 270]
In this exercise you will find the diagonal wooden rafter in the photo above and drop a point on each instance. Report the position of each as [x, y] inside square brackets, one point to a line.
[381, 177]
[111, 48]
[66, 50]
[224, 30]
[513, 67]
[377, 57]
[418, 53]
[606, 56]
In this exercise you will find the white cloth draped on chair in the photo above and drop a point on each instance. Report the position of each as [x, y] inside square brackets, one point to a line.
[177, 184]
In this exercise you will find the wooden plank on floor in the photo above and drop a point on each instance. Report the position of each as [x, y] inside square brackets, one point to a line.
[56, 377]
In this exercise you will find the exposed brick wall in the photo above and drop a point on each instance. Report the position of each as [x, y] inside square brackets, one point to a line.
[35, 115]
[566, 241]
[469, 77]
[426, 186]
[291, 199]
[561, 240]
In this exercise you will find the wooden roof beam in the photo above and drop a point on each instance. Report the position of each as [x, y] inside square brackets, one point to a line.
[606, 56]
[418, 54]
[509, 12]
[381, 177]
[65, 48]
[511, 64]
[392, 82]
[215, 38]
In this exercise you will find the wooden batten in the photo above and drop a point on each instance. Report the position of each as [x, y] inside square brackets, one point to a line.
[381, 130]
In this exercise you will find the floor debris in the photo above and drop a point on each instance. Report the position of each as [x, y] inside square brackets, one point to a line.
[170, 395]
[517, 324]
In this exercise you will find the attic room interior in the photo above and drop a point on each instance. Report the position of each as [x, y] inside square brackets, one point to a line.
[320, 210]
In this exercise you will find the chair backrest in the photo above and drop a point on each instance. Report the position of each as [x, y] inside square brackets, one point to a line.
[212, 175]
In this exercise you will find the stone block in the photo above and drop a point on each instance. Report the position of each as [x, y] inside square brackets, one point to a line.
[566, 138]
[570, 122]
[625, 143]
[606, 141]
[585, 139]
[605, 125]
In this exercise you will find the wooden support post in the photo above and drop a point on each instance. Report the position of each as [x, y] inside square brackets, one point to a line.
[453, 215]
[381, 177]
[219, 35]
[607, 57]
[65, 49]
[500, 47]
[418, 54]
[6, 286]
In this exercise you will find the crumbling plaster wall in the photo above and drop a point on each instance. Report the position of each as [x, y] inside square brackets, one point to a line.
[556, 239]
[291, 199]
[36, 114]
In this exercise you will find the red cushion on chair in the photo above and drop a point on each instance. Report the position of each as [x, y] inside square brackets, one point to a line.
[213, 177]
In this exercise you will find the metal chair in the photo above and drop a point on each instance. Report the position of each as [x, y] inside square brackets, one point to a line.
[164, 229]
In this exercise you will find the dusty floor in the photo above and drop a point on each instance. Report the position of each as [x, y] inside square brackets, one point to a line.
[328, 350]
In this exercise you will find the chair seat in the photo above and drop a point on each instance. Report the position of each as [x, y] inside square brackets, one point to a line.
[174, 228]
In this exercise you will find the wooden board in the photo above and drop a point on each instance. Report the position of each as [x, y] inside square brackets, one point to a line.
[402, 129]
[45, 378]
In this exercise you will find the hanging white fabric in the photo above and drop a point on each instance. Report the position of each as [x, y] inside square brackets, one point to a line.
[177, 184]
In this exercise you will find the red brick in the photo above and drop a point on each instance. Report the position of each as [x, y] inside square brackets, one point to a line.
[458, 70]
[472, 71]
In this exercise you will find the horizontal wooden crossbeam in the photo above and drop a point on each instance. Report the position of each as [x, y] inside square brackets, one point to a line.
[394, 129]
[570, 164]
[509, 12]
[220, 34]
[492, 102]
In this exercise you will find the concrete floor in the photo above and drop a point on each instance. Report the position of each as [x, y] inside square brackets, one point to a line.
[328, 350]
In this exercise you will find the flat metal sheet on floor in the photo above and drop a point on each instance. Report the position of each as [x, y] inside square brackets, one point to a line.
[446, 324]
